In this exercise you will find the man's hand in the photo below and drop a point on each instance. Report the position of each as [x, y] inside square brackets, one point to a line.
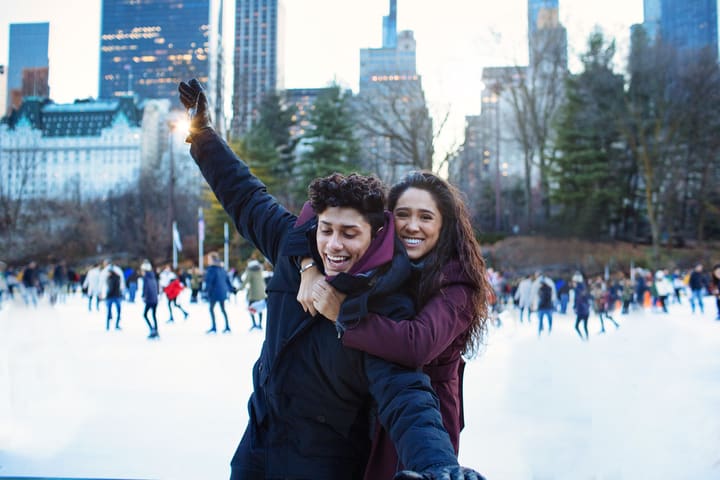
[327, 300]
[454, 472]
[195, 102]
[307, 280]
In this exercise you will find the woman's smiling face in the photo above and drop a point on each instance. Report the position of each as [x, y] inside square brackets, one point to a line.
[417, 222]
[343, 236]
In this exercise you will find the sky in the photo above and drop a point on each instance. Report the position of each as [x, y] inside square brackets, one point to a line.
[323, 39]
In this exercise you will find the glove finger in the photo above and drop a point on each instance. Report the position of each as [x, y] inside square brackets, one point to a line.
[185, 89]
[195, 84]
[202, 102]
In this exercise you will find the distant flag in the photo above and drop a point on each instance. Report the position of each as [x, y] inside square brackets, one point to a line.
[201, 225]
[176, 238]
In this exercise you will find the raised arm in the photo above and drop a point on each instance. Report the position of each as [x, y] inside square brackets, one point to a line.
[257, 215]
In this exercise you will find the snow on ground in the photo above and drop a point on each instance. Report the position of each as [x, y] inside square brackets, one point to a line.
[640, 402]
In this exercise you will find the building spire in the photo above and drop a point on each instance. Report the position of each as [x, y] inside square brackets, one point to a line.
[390, 27]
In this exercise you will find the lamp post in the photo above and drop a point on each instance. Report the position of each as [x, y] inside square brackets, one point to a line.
[496, 89]
[171, 187]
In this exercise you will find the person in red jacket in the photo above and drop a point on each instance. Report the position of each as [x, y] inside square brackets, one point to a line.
[172, 291]
[452, 293]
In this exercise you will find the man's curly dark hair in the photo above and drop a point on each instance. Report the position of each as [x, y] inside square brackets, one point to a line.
[366, 194]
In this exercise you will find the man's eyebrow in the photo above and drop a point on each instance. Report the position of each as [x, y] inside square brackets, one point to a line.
[342, 225]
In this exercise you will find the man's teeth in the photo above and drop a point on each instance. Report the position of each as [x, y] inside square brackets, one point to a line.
[413, 241]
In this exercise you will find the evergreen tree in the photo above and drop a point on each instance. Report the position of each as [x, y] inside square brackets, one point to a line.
[589, 172]
[330, 141]
[269, 149]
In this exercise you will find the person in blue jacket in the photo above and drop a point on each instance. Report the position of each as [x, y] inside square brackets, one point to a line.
[310, 409]
[217, 285]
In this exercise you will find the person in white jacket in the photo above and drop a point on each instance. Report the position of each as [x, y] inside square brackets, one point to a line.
[523, 296]
[664, 289]
[93, 286]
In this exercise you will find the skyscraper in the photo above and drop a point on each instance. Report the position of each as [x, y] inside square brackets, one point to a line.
[148, 46]
[688, 24]
[397, 128]
[547, 38]
[541, 14]
[258, 58]
[27, 62]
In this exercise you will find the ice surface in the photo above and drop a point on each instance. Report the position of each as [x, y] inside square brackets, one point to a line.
[641, 402]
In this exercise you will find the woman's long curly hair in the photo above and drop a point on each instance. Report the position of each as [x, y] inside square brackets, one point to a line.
[456, 241]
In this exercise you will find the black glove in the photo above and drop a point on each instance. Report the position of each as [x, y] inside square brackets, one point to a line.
[452, 472]
[194, 100]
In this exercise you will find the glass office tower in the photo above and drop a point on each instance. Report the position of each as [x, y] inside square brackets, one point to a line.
[27, 62]
[258, 59]
[689, 24]
[148, 46]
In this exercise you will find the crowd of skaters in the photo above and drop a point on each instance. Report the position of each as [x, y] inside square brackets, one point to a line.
[534, 294]
[541, 295]
[107, 285]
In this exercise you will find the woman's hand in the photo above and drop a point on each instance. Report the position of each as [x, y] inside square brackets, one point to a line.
[308, 278]
[327, 300]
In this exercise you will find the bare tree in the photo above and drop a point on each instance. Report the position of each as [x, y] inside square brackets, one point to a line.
[534, 95]
[396, 128]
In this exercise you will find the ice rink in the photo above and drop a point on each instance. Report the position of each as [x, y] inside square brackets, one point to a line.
[641, 402]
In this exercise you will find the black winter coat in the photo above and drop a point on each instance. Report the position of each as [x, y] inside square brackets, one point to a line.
[309, 412]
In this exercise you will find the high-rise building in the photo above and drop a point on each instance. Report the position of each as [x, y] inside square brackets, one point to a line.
[148, 46]
[547, 38]
[27, 63]
[688, 24]
[397, 125]
[88, 149]
[541, 14]
[258, 59]
[651, 17]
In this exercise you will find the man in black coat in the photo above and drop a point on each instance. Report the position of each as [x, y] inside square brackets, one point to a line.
[310, 409]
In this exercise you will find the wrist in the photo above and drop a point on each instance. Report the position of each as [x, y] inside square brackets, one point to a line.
[307, 266]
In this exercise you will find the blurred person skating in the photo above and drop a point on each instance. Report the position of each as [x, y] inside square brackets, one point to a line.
[172, 291]
[150, 294]
[254, 281]
[453, 295]
[195, 284]
[664, 289]
[563, 295]
[93, 286]
[114, 280]
[678, 286]
[59, 283]
[523, 296]
[582, 309]
[131, 279]
[217, 286]
[601, 302]
[698, 284]
[3, 282]
[323, 432]
[544, 298]
[627, 294]
[30, 283]
[715, 287]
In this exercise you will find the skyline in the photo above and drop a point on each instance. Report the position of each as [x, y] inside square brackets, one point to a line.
[453, 45]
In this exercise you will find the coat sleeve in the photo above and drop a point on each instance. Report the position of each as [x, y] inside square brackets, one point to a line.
[417, 341]
[257, 215]
[408, 409]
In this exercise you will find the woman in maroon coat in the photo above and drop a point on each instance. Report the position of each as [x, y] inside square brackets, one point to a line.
[452, 294]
